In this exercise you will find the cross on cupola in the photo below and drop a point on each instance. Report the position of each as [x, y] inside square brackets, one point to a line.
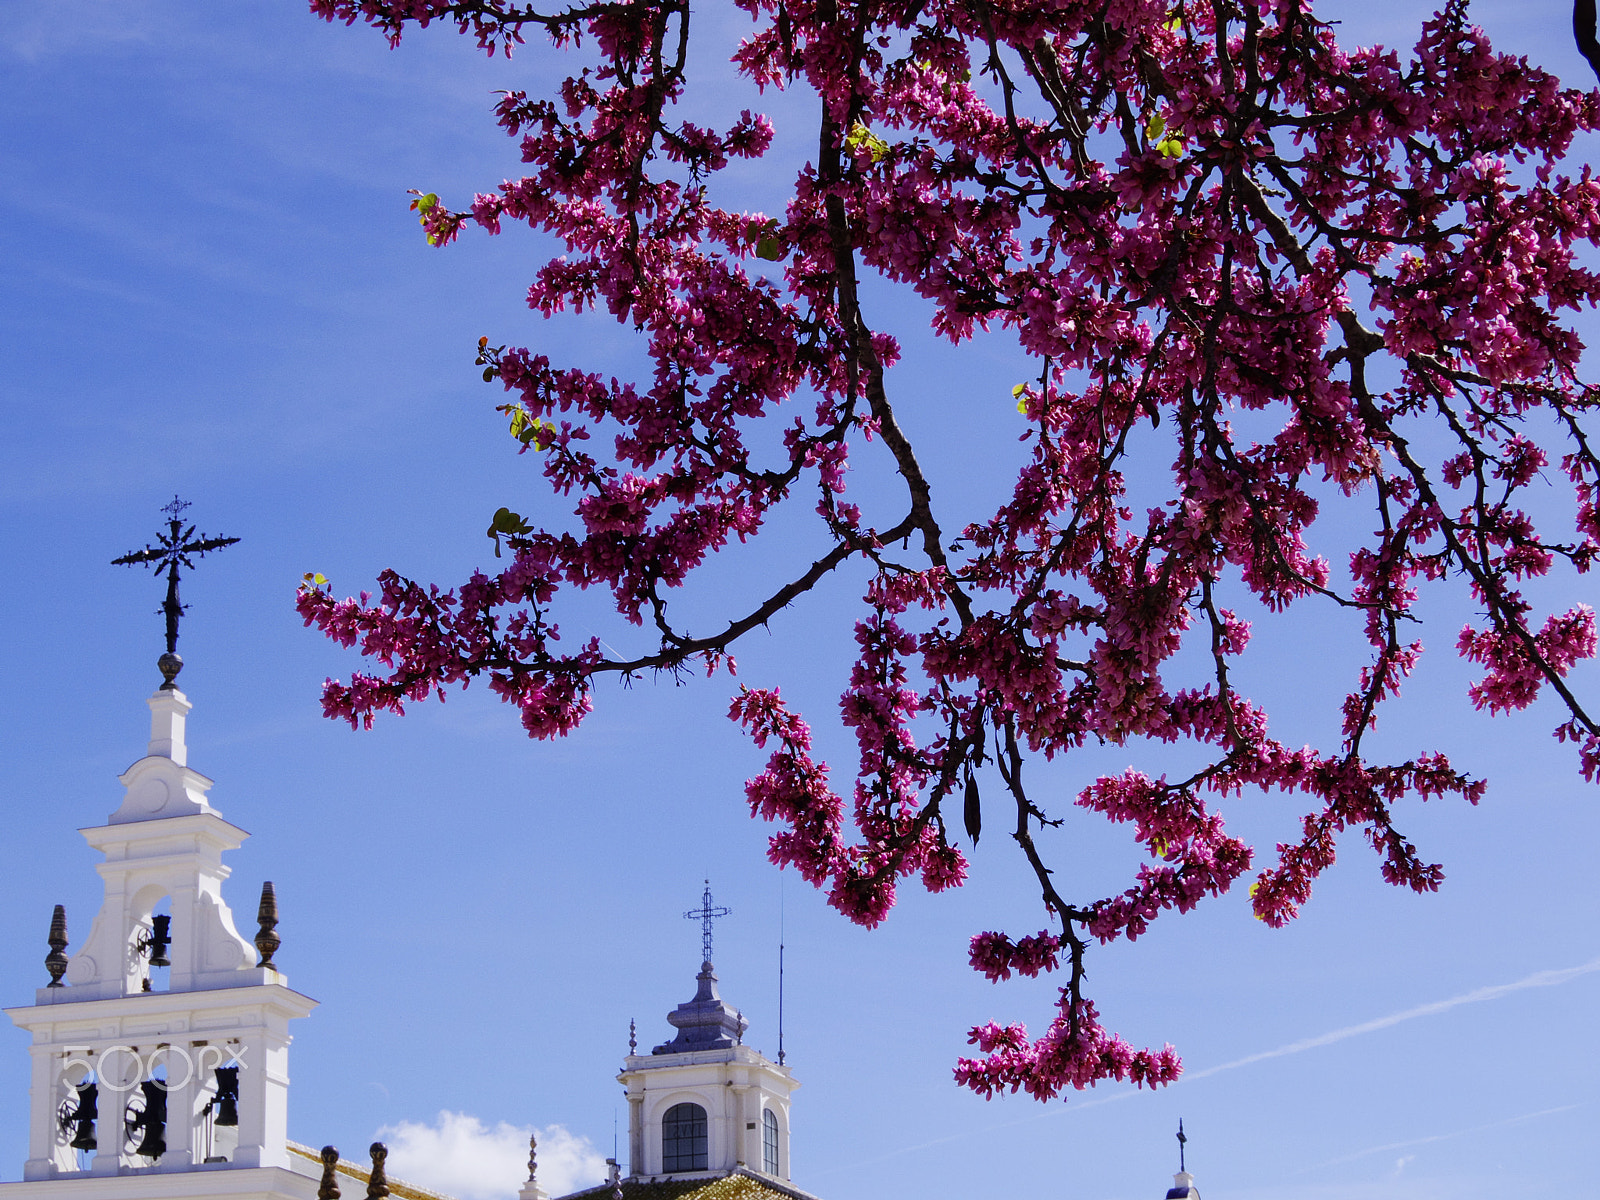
[706, 914]
[177, 548]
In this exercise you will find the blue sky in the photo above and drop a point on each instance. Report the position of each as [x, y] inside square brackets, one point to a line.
[214, 287]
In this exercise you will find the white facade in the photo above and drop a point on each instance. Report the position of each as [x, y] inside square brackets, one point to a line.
[736, 1087]
[121, 1022]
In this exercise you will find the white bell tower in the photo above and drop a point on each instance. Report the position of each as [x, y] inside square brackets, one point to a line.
[165, 1052]
[705, 1104]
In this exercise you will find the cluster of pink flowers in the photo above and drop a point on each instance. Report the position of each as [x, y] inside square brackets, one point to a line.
[1307, 277]
[1074, 1052]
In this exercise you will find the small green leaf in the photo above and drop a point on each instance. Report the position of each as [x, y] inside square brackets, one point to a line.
[507, 522]
[769, 248]
[1154, 129]
[1018, 390]
[1171, 148]
[860, 136]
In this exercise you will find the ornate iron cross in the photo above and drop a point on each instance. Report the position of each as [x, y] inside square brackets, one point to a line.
[705, 914]
[175, 549]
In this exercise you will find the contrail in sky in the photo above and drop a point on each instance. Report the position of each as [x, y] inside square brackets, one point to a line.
[1494, 992]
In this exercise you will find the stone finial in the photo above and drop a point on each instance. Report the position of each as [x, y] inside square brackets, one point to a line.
[267, 942]
[328, 1189]
[56, 961]
[533, 1158]
[633, 1037]
[377, 1182]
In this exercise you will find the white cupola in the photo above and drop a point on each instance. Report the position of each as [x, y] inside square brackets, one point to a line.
[704, 1104]
[160, 1063]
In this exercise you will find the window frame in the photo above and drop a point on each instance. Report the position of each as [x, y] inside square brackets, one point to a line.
[770, 1135]
[689, 1140]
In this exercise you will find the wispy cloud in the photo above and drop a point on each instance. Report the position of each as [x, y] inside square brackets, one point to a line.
[1428, 1141]
[1478, 995]
[461, 1156]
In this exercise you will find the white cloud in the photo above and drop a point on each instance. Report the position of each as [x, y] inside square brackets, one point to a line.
[461, 1156]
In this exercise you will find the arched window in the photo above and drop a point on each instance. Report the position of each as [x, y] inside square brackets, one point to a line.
[683, 1138]
[769, 1141]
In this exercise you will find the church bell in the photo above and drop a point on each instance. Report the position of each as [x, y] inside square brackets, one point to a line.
[226, 1103]
[160, 939]
[152, 1120]
[83, 1116]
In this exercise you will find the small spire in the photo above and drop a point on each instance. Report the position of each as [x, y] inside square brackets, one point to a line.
[377, 1182]
[328, 1189]
[56, 961]
[533, 1157]
[633, 1036]
[267, 942]
[1182, 1183]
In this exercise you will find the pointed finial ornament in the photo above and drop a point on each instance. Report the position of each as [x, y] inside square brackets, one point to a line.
[56, 961]
[633, 1033]
[174, 550]
[705, 914]
[533, 1157]
[328, 1189]
[377, 1182]
[1182, 1183]
[267, 942]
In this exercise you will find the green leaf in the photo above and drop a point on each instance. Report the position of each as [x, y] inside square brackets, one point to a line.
[1154, 128]
[1018, 390]
[506, 522]
[769, 248]
[860, 136]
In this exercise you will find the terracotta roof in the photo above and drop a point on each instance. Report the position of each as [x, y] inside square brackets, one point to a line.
[398, 1188]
